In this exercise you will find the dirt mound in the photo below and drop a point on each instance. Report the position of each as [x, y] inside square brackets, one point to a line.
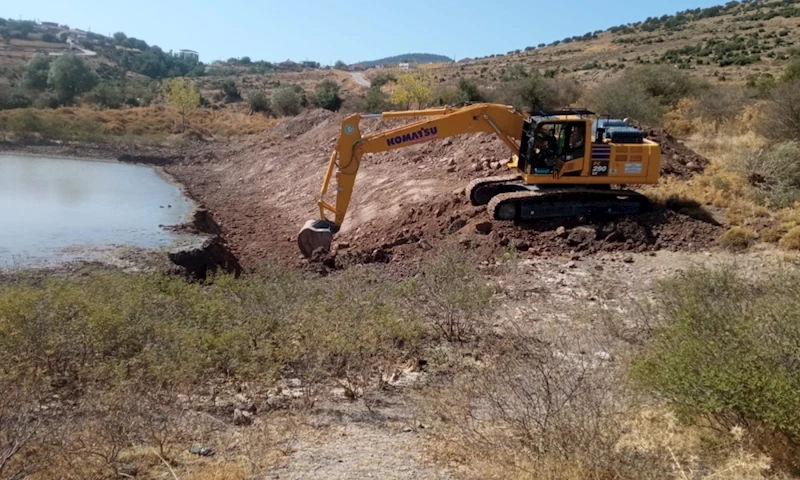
[428, 224]
[676, 158]
[306, 121]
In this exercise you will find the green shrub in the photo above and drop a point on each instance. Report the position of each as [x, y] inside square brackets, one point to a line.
[258, 101]
[726, 353]
[326, 95]
[376, 101]
[736, 238]
[108, 95]
[468, 91]
[109, 328]
[285, 101]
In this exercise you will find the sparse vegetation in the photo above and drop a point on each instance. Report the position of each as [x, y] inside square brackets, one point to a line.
[736, 238]
[724, 355]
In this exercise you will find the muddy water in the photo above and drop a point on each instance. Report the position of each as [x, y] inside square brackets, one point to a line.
[54, 210]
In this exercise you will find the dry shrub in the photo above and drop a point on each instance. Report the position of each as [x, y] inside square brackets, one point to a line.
[791, 241]
[541, 411]
[88, 124]
[774, 174]
[782, 114]
[736, 238]
[451, 293]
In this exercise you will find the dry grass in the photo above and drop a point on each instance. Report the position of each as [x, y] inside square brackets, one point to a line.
[155, 121]
[736, 238]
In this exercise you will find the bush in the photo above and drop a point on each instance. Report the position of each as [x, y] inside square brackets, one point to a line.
[258, 101]
[774, 174]
[375, 100]
[230, 91]
[108, 95]
[665, 83]
[782, 117]
[736, 238]
[726, 354]
[13, 99]
[285, 101]
[340, 65]
[791, 72]
[621, 99]
[451, 293]
[791, 240]
[535, 93]
[326, 95]
[721, 104]
[468, 91]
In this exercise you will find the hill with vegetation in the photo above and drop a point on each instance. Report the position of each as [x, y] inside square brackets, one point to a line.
[406, 58]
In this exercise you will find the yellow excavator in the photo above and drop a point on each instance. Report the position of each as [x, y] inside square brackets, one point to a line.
[564, 163]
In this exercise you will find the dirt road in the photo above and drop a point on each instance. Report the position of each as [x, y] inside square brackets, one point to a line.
[360, 79]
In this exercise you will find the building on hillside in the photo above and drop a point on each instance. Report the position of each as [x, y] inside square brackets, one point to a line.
[51, 27]
[406, 66]
[190, 54]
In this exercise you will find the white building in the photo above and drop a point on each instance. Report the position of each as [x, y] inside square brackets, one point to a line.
[191, 54]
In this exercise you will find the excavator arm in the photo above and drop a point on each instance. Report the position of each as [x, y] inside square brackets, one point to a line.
[436, 124]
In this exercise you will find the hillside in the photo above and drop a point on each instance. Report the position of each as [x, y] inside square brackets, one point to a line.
[727, 42]
[406, 58]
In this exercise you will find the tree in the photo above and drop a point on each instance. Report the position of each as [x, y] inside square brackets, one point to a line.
[410, 90]
[182, 94]
[71, 76]
[327, 96]
[340, 65]
[285, 101]
[119, 37]
[37, 72]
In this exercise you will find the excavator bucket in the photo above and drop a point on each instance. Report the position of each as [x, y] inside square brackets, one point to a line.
[315, 234]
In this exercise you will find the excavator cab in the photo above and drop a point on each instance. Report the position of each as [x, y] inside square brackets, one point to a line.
[547, 145]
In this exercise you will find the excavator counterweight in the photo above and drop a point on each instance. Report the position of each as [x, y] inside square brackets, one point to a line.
[563, 163]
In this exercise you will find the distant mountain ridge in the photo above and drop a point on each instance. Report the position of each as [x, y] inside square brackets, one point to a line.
[406, 57]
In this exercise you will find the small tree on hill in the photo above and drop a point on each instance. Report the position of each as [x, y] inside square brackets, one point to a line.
[410, 90]
[340, 65]
[468, 91]
[327, 96]
[71, 76]
[36, 72]
[182, 94]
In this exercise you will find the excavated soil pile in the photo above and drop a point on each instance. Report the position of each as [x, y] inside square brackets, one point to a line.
[263, 188]
[676, 158]
[426, 225]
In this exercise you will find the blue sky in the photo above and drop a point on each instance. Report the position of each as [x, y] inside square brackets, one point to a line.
[348, 30]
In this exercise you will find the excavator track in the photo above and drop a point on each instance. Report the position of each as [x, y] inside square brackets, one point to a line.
[565, 202]
[480, 195]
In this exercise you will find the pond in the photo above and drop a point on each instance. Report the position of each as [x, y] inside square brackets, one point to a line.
[54, 210]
